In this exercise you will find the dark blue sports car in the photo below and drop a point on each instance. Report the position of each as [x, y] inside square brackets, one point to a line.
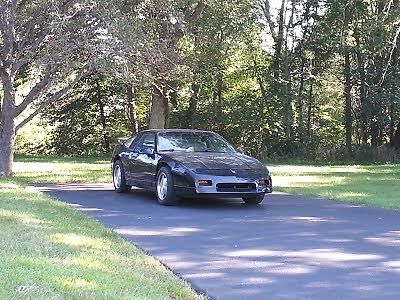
[188, 163]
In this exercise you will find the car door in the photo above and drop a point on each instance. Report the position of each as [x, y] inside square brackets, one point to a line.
[127, 154]
[143, 163]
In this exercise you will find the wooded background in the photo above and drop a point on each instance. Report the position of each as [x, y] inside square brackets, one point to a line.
[302, 78]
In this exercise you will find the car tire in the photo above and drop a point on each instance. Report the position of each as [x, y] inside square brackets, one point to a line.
[119, 180]
[165, 187]
[254, 200]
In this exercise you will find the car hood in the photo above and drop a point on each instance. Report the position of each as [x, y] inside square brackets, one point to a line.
[213, 160]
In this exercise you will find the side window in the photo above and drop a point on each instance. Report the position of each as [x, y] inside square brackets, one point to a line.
[129, 142]
[148, 141]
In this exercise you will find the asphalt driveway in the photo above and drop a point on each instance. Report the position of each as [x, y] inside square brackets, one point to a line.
[290, 247]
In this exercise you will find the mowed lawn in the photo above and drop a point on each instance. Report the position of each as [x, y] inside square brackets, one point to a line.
[50, 169]
[49, 250]
[377, 185]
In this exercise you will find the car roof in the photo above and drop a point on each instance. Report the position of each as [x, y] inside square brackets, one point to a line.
[177, 131]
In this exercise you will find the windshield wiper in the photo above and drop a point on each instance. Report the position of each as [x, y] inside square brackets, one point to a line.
[167, 150]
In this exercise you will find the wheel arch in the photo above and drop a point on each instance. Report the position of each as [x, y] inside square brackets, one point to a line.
[116, 157]
[180, 179]
[162, 164]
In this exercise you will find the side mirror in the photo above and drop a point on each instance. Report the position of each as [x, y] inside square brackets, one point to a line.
[147, 151]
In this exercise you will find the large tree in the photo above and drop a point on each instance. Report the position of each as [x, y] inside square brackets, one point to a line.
[43, 53]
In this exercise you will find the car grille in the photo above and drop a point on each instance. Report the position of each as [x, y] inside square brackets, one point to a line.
[236, 187]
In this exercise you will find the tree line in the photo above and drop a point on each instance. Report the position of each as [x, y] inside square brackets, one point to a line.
[309, 78]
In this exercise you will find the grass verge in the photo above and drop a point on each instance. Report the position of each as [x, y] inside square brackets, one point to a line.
[377, 185]
[53, 169]
[48, 250]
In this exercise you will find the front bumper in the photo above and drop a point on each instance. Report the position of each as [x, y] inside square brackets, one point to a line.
[222, 186]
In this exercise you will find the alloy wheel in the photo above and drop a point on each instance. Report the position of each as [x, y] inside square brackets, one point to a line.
[117, 176]
[162, 186]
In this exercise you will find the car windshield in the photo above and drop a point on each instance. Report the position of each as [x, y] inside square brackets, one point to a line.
[192, 142]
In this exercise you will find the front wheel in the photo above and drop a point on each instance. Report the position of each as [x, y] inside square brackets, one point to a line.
[254, 200]
[119, 180]
[165, 187]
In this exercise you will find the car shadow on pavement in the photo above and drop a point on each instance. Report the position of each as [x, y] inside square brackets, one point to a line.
[199, 203]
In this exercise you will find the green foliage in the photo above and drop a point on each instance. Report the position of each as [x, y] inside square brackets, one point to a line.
[33, 139]
[89, 121]
[272, 86]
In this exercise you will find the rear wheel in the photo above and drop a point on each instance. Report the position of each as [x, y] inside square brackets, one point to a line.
[254, 200]
[165, 187]
[119, 180]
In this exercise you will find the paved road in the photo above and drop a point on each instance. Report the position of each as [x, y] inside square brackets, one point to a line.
[290, 247]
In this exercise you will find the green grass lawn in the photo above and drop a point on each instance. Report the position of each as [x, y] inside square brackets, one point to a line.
[50, 169]
[49, 250]
[377, 185]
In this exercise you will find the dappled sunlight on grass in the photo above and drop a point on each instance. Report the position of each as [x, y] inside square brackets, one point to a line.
[80, 241]
[9, 216]
[305, 180]
[76, 283]
[60, 159]
[59, 170]
[83, 260]
[351, 195]
[290, 169]
[374, 184]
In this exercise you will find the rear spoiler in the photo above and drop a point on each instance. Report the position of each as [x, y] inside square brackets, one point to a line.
[122, 140]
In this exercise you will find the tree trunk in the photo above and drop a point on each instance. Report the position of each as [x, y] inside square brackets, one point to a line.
[131, 110]
[166, 108]
[363, 88]
[290, 110]
[158, 113]
[106, 142]
[7, 125]
[194, 98]
[279, 42]
[310, 111]
[394, 92]
[348, 120]
[392, 121]
[396, 138]
[219, 91]
[300, 120]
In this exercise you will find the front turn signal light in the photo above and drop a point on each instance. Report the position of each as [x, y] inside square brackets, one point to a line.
[263, 182]
[205, 182]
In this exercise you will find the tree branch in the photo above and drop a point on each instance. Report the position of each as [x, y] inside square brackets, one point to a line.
[192, 16]
[389, 63]
[266, 8]
[55, 97]
[33, 94]
[7, 28]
